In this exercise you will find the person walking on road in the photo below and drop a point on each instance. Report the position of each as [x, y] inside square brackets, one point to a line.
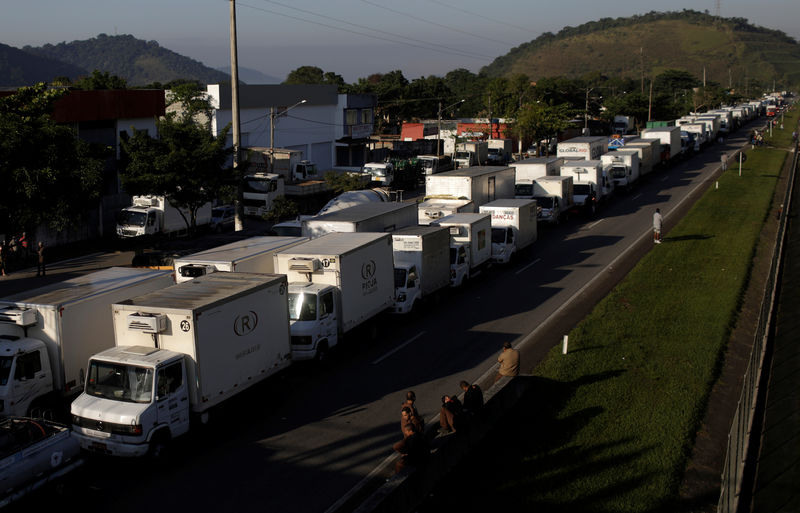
[509, 362]
[40, 270]
[657, 222]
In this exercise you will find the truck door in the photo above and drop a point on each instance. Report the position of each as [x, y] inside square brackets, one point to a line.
[491, 191]
[329, 317]
[30, 381]
[172, 398]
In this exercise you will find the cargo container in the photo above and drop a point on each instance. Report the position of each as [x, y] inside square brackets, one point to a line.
[553, 195]
[624, 167]
[529, 170]
[421, 264]
[365, 217]
[588, 148]
[514, 227]
[470, 245]
[430, 211]
[479, 184]
[670, 137]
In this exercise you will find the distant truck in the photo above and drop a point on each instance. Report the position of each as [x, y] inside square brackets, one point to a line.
[480, 184]
[260, 190]
[624, 167]
[499, 152]
[294, 227]
[33, 452]
[382, 173]
[514, 227]
[553, 195]
[622, 125]
[586, 147]
[153, 215]
[471, 154]
[285, 163]
[179, 352]
[48, 334]
[421, 264]
[432, 164]
[253, 255]
[470, 245]
[670, 137]
[365, 217]
[529, 170]
[430, 211]
[336, 283]
[591, 184]
[649, 154]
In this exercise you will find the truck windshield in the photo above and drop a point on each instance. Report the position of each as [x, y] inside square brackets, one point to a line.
[462, 155]
[131, 218]
[119, 382]
[259, 185]
[618, 172]
[523, 189]
[399, 278]
[581, 189]
[499, 235]
[5, 369]
[426, 163]
[544, 201]
[375, 171]
[302, 307]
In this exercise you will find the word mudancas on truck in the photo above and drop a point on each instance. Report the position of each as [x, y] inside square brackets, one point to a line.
[179, 352]
[337, 282]
[48, 334]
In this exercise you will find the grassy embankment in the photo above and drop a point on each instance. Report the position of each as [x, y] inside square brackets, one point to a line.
[611, 425]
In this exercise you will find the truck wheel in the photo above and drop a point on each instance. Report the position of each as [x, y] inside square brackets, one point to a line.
[322, 353]
[159, 446]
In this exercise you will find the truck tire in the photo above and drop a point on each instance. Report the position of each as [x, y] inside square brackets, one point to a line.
[159, 445]
[322, 353]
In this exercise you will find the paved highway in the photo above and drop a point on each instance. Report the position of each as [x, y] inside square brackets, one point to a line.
[307, 437]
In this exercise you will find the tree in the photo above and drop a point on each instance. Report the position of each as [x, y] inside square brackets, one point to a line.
[49, 176]
[100, 81]
[315, 75]
[186, 164]
[538, 120]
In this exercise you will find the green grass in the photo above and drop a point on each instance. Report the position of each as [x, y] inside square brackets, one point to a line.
[611, 425]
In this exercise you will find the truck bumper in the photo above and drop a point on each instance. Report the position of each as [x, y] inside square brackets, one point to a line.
[107, 446]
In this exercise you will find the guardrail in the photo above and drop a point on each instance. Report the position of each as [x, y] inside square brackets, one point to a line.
[739, 436]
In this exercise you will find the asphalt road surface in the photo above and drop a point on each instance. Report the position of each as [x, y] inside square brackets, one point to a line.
[301, 441]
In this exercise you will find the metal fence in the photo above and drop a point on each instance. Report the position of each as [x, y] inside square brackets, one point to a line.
[739, 437]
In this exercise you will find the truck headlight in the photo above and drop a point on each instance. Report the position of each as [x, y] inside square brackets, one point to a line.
[121, 429]
[401, 297]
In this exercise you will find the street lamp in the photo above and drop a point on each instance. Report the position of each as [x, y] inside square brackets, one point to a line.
[439, 127]
[272, 116]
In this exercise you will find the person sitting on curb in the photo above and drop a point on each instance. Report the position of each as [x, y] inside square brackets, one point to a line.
[413, 449]
[473, 397]
[407, 417]
[451, 414]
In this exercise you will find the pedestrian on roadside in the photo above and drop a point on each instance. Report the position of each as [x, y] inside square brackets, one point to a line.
[657, 223]
[473, 397]
[40, 269]
[3, 257]
[724, 159]
[413, 449]
[509, 362]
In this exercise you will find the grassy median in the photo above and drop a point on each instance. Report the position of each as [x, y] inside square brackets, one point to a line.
[611, 425]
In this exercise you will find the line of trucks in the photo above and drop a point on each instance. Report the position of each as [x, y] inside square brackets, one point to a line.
[166, 347]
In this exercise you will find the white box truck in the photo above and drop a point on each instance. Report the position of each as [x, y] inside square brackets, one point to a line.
[529, 170]
[152, 215]
[479, 184]
[366, 217]
[471, 154]
[553, 195]
[470, 245]
[48, 334]
[514, 226]
[430, 211]
[499, 152]
[421, 264]
[252, 255]
[649, 154]
[624, 167]
[591, 183]
[336, 283]
[585, 147]
[670, 137]
[179, 352]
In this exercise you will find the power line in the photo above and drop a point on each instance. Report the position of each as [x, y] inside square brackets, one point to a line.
[417, 18]
[458, 8]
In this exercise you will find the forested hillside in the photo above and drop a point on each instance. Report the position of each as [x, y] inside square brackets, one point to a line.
[19, 68]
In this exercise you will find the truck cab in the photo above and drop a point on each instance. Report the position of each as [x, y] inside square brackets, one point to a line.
[459, 264]
[381, 172]
[135, 221]
[305, 170]
[503, 244]
[465, 158]
[407, 288]
[136, 399]
[25, 374]
[313, 319]
[549, 209]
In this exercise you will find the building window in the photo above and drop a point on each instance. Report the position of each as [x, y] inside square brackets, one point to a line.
[350, 117]
[366, 116]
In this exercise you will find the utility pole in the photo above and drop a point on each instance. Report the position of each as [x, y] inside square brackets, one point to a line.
[641, 65]
[650, 104]
[238, 202]
[439, 129]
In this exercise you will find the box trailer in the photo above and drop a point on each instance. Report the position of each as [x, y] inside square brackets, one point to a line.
[366, 217]
[623, 167]
[589, 148]
[48, 334]
[470, 245]
[253, 255]
[430, 211]
[421, 264]
[670, 137]
[649, 151]
[591, 183]
[529, 170]
[514, 226]
[336, 283]
[553, 195]
[480, 184]
[180, 351]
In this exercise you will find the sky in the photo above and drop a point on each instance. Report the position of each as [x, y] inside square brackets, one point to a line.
[353, 38]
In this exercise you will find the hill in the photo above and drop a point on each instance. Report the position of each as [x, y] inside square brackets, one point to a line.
[19, 68]
[731, 50]
[139, 62]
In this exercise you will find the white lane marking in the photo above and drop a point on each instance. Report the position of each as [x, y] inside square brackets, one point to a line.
[594, 224]
[521, 270]
[401, 346]
[637, 196]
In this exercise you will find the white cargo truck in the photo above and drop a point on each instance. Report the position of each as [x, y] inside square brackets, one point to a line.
[421, 264]
[591, 184]
[712, 125]
[430, 211]
[514, 226]
[471, 154]
[553, 195]
[336, 283]
[622, 125]
[253, 255]
[499, 152]
[670, 137]
[649, 154]
[179, 352]
[382, 173]
[365, 217]
[479, 184]
[152, 215]
[48, 334]
[585, 147]
[529, 170]
[470, 245]
[624, 167]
